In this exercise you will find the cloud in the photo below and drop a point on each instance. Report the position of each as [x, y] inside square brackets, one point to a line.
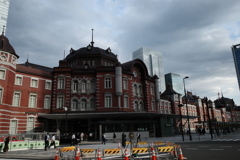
[195, 37]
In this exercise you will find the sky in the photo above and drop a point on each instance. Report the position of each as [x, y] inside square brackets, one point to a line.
[195, 37]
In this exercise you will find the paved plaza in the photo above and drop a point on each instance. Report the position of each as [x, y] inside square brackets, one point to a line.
[50, 154]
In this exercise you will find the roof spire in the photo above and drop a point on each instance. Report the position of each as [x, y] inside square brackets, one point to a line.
[92, 38]
[27, 57]
[3, 30]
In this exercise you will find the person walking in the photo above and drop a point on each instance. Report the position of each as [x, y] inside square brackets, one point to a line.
[138, 137]
[6, 144]
[47, 139]
[103, 138]
[73, 141]
[114, 137]
[82, 136]
[53, 141]
[123, 140]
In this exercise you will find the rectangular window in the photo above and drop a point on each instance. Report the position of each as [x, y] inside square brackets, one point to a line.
[30, 124]
[125, 102]
[47, 102]
[18, 80]
[48, 85]
[59, 102]
[125, 84]
[32, 100]
[1, 94]
[108, 83]
[34, 83]
[13, 126]
[108, 101]
[61, 83]
[2, 74]
[16, 99]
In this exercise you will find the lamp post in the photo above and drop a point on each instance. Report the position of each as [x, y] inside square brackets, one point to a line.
[66, 109]
[209, 121]
[189, 129]
[180, 105]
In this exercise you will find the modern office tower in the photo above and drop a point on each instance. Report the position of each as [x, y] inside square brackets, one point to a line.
[176, 81]
[154, 62]
[236, 57]
[4, 6]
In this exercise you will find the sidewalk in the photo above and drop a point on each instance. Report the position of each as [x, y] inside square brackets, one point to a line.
[50, 154]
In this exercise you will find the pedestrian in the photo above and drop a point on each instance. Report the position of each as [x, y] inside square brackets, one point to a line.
[199, 131]
[203, 131]
[103, 138]
[53, 141]
[82, 136]
[114, 137]
[47, 139]
[123, 140]
[6, 144]
[73, 140]
[138, 137]
[90, 136]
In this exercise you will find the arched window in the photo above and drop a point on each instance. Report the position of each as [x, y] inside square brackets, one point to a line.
[83, 104]
[74, 105]
[84, 86]
[136, 105]
[140, 106]
[75, 86]
[135, 90]
[140, 90]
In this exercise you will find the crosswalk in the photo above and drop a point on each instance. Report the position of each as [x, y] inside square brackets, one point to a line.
[226, 140]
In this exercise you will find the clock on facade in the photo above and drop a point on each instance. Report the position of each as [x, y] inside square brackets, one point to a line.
[134, 73]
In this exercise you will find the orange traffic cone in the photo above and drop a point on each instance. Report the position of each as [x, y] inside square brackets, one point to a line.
[56, 156]
[99, 155]
[126, 155]
[119, 145]
[174, 152]
[180, 157]
[153, 154]
[77, 157]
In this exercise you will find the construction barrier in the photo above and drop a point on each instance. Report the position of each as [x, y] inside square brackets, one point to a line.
[159, 143]
[88, 152]
[165, 149]
[139, 150]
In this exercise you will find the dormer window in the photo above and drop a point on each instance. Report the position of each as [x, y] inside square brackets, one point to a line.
[89, 47]
[109, 50]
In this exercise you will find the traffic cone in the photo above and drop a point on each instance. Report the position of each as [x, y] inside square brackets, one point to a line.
[174, 152]
[153, 154]
[126, 155]
[119, 145]
[180, 157]
[56, 156]
[99, 155]
[77, 157]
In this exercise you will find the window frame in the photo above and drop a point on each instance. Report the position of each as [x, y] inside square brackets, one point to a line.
[50, 85]
[107, 82]
[34, 102]
[108, 100]
[19, 99]
[49, 103]
[2, 76]
[61, 83]
[60, 105]
[18, 76]
[32, 84]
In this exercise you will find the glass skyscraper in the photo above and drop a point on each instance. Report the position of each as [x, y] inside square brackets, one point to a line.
[4, 6]
[176, 81]
[236, 58]
[154, 62]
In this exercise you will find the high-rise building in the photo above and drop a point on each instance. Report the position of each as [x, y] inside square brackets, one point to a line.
[4, 6]
[236, 57]
[154, 62]
[176, 82]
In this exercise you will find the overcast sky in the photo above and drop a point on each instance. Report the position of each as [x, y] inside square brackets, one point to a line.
[195, 36]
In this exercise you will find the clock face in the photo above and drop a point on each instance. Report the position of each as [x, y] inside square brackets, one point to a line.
[134, 73]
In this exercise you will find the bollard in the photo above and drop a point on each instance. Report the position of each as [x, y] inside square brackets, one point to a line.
[99, 155]
[153, 154]
[126, 155]
[77, 157]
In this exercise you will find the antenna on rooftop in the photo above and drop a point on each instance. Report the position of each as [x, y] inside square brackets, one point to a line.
[92, 38]
[64, 55]
[3, 30]
[27, 57]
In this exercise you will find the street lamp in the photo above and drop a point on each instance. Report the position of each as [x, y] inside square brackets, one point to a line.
[180, 105]
[66, 109]
[209, 121]
[189, 129]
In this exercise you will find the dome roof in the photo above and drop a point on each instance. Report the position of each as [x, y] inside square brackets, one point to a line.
[6, 46]
[90, 50]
